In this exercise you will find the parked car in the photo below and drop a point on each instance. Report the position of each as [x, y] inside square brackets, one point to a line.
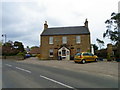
[118, 59]
[85, 57]
[27, 55]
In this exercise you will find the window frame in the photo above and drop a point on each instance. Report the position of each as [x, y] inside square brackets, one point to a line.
[78, 39]
[51, 52]
[64, 39]
[51, 40]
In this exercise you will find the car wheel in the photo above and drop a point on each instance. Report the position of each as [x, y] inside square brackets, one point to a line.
[96, 60]
[83, 61]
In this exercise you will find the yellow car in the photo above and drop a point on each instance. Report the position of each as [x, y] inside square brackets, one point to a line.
[85, 57]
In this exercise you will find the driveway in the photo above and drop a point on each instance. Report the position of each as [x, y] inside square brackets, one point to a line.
[100, 67]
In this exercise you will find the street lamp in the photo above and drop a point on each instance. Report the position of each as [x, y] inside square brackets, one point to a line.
[4, 35]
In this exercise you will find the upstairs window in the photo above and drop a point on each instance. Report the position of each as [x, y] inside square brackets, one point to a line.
[50, 40]
[64, 40]
[77, 39]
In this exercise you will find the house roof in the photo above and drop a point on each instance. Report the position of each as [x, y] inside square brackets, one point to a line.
[66, 31]
[35, 51]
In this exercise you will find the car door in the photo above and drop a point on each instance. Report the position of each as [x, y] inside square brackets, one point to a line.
[86, 56]
[91, 56]
[77, 56]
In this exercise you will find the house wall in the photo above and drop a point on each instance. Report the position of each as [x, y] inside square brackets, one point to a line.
[71, 45]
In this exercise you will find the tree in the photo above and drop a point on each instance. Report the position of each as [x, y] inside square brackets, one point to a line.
[7, 44]
[34, 47]
[10, 42]
[95, 47]
[8, 49]
[12, 49]
[113, 31]
[100, 42]
[19, 46]
[113, 25]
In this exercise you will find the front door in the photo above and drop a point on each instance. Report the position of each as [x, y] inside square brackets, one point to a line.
[63, 54]
[68, 55]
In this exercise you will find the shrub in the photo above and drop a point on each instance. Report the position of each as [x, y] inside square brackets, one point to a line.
[21, 54]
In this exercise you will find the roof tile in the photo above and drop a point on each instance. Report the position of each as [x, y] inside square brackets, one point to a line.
[66, 31]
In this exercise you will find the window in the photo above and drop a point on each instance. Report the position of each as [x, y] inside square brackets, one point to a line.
[63, 52]
[90, 54]
[60, 53]
[85, 54]
[50, 40]
[51, 52]
[77, 39]
[78, 50]
[64, 40]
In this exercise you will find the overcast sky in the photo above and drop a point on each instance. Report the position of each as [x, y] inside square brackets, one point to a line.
[23, 20]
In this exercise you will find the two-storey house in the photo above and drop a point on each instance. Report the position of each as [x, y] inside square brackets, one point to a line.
[64, 41]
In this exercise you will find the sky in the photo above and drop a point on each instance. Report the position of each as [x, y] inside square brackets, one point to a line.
[23, 20]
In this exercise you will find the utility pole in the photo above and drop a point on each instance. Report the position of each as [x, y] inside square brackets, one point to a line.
[4, 35]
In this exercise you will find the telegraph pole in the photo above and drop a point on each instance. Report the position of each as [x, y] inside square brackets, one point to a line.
[4, 35]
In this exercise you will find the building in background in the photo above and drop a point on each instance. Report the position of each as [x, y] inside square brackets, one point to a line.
[35, 51]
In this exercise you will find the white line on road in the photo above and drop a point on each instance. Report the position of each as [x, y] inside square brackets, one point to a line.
[8, 65]
[56, 82]
[23, 70]
[108, 75]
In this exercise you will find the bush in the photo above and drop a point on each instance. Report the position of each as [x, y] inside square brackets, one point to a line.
[21, 54]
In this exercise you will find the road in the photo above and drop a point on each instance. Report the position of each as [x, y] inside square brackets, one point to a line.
[23, 75]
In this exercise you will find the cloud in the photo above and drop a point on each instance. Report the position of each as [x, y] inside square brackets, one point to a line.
[23, 20]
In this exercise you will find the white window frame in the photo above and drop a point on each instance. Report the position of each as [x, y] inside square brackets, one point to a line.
[50, 40]
[51, 50]
[78, 39]
[64, 40]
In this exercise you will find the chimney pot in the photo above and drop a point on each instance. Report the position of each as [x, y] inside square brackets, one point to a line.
[86, 23]
[45, 25]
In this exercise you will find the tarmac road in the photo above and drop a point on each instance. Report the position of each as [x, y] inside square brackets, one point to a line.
[23, 75]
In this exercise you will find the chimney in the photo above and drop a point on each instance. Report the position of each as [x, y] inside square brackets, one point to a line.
[86, 23]
[45, 25]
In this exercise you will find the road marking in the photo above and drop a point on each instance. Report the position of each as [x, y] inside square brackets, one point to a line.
[23, 69]
[109, 75]
[8, 65]
[57, 82]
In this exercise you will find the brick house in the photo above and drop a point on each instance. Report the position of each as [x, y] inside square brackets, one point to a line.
[64, 41]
